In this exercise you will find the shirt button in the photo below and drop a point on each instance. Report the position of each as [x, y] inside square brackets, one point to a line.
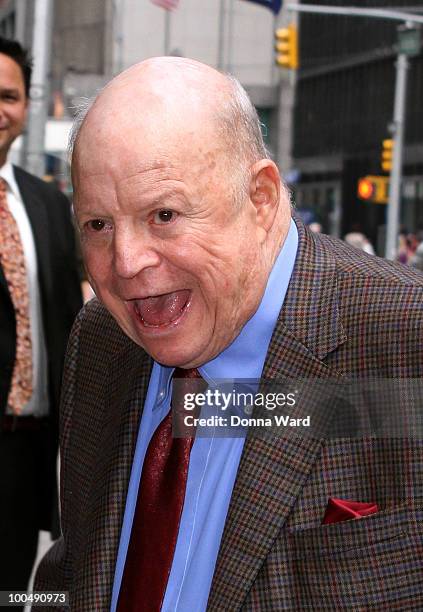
[161, 395]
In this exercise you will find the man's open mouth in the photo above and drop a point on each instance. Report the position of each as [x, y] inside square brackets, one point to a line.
[161, 310]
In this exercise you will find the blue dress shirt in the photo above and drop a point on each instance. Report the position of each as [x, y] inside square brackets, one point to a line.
[214, 460]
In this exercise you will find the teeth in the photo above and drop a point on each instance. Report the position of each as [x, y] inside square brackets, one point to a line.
[144, 322]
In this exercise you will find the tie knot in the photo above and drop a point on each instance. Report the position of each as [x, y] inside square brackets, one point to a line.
[190, 373]
[186, 385]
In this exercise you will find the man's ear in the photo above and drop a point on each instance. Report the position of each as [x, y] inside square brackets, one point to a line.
[265, 186]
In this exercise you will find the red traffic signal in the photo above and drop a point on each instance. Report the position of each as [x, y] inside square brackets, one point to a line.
[373, 188]
[365, 189]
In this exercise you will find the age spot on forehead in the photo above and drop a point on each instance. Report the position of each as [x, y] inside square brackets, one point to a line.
[211, 160]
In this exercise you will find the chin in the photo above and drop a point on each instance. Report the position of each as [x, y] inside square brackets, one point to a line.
[173, 356]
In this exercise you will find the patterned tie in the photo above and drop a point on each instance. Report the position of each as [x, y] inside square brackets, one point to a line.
[157, 516]
[12, 259]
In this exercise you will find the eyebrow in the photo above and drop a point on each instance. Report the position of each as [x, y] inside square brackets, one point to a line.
[9, 90]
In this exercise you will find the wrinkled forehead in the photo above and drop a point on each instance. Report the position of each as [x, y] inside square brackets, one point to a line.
[120, 135]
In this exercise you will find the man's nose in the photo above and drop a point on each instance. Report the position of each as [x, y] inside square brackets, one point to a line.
[132, 255]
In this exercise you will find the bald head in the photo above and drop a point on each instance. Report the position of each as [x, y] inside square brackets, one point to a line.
[172, 99]
[164, 87]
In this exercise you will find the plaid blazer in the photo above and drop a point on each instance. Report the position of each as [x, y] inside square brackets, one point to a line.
[346, 314]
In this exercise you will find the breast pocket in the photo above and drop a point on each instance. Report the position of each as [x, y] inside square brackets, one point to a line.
[371, 563]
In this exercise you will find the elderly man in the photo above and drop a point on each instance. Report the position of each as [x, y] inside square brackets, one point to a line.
[200, 270]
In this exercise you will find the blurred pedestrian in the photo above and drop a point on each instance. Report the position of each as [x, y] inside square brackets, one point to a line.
[315, 227]
[417, 259]
[39, 298]
[359, 240]
[407, 244]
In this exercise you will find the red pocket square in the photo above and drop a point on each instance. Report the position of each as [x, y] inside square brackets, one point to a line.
[345, 509]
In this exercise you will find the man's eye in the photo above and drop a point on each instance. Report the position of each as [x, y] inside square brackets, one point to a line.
[96, 225]
[164, 216]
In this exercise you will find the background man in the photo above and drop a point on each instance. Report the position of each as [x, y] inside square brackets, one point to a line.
[190, 246]
[39, 298]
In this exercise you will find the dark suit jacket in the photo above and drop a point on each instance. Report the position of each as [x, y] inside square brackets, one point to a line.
[49, 215]
[346, 314]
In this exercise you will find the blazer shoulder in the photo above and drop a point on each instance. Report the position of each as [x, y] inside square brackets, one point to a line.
[354, 263]
[380, 306]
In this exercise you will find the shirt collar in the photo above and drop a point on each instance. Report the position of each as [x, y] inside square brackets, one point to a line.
[7, 173]
[244, 358]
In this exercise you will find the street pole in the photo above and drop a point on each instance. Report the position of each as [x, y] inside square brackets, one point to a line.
[118, 11]
[396, 172]
[167, 33]
[229, 60]
[37, 116]
[20, 28]
[287, 93]
[353, 11]
[221, 36]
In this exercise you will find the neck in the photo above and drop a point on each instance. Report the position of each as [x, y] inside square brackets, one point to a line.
[278, 235]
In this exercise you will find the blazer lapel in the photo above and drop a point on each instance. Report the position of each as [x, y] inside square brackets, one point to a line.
[128, 380]
[273, 469]
[38, 218]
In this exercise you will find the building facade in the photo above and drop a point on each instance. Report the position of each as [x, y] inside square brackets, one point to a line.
[324, 124]
[94, 40]
[343, 112]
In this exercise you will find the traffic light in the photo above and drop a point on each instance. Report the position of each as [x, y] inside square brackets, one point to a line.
[287, 47]
[366, 189]
[373, 188]
[387, 154]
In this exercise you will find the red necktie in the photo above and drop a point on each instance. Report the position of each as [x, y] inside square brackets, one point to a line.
[157, 515]
[14, 268]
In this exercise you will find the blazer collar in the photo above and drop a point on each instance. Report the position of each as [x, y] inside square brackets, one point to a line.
[273, 469]
[310, 310]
